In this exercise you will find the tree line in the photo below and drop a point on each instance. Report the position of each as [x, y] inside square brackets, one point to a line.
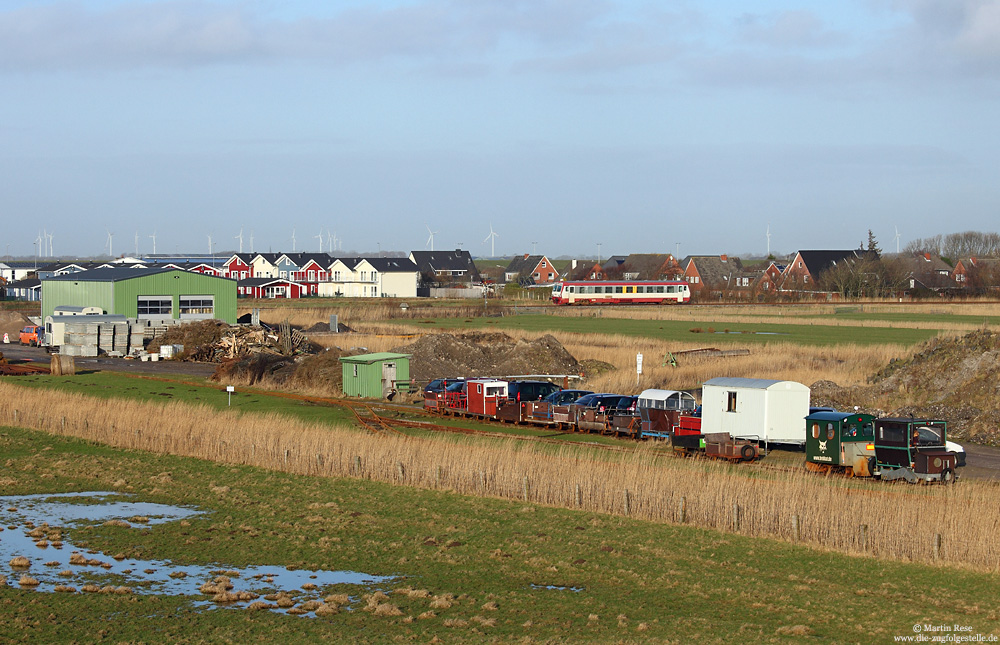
[957, 245]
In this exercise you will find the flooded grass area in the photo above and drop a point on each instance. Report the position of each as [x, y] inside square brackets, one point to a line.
[464, 568]
[41, 557]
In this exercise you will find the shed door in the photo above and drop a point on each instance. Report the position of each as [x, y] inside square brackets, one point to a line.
[388, 377]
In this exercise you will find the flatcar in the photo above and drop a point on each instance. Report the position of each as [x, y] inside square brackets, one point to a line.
[621, 292]
[840, 441]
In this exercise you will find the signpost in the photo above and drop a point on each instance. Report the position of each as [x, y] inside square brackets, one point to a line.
[638, 368]
[230, 389]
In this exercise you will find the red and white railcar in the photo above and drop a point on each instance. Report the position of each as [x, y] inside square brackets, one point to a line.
[621, 292]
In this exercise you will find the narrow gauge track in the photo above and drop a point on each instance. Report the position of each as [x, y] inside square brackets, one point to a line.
[373, 422]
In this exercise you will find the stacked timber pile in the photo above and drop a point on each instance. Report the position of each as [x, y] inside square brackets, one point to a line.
[213, 341]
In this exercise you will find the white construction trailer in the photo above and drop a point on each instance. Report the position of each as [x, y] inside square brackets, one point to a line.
[771, 412]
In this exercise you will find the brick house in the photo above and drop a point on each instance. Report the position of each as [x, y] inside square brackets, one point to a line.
[805, 269]
[710, 273]
[531, 269]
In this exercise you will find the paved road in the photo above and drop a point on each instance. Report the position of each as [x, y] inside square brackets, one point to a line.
[14, 352]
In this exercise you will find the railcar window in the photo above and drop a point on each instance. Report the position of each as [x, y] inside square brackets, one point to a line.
[659, 289]
[618, 289]
[829, 431]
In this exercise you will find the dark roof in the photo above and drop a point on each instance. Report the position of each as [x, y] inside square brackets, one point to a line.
[115, 274]
[647, 265]
[457, 260]
[522, 264]
[303, 258]
[24, 283]
[614, 261]
[819, 261]
[391, 265]
[20, 264]
[713, 269]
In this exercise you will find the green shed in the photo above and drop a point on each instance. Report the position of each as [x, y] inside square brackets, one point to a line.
[148, 294]
[375, 376]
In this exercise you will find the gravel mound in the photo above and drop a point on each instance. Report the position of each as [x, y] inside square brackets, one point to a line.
[11, 323]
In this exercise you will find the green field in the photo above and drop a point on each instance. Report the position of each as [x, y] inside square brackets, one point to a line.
[709, 331]
[636, 581]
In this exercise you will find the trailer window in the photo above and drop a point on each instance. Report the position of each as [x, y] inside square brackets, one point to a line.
[829, 431]
[815, 431]
[730, 401]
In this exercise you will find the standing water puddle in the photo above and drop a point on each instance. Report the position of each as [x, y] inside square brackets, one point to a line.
[31, 529]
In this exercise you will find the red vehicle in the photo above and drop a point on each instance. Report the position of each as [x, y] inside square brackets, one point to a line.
[657, 292]
[32, 335]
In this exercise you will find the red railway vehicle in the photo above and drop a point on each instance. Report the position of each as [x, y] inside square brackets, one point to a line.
[658, 292]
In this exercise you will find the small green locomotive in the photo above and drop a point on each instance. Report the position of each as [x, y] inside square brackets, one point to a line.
[841, 441]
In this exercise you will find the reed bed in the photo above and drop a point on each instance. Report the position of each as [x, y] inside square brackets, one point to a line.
[954, 524]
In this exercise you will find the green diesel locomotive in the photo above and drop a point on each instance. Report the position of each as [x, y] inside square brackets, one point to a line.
[841, 441]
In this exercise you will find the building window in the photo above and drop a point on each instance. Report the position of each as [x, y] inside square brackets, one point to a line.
[355, 370]
[283, 274]
[312, 276]
[197, 306]
[336, 276]
[543, 264]
[155, 307]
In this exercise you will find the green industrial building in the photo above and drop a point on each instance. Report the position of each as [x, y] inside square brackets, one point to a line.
[375, 376]
[147, 294]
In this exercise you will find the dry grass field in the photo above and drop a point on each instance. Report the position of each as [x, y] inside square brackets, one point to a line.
[953, 525]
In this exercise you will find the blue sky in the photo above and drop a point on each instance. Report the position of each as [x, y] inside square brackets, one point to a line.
[567, 123]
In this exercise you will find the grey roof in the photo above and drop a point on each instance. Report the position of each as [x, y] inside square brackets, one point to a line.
[116, 274]
[457, 260]
[523, 264]
[748, 383]
[647, 266]
[20, 264]
[390, 265]
[24, 283]
[714, 271]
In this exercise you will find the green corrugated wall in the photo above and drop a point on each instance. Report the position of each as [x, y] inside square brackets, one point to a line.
[121, 297]
[71, 293]
[176, 284]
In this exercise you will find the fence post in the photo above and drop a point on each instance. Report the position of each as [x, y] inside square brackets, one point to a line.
[628, 503]
[286, 456]
[795, 528]
[357, 465]
[937, 546]
[64, 424]
[682, 508]
[482, 480]
[736, 516]
[524, 489]
[579, 497]
[15, 416]
[400, 471]
[864, 537]
[437, 477]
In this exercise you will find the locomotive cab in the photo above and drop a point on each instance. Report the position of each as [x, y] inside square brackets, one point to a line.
[914, 450]
[840, 441]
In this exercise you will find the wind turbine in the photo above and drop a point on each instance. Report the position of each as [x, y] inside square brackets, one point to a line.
[293, 240]
[430, 238]
[210, 252]
[240, 238]
[492, 239]
[111, 238]
[897, 239]
[51, 253]
[329, 242]
[768, 240]
[251, 241]
[320, 238]
[153, 237]
[137, 244]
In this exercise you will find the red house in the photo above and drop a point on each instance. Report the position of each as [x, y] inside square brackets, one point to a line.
[238, 266]
[269, 288]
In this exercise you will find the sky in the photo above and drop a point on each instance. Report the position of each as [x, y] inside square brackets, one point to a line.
[571, 127]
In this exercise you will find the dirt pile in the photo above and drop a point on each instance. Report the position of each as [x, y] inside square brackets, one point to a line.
[486, 354]
[11, 323]
[214, 341]
[317, 372]
[955, 379]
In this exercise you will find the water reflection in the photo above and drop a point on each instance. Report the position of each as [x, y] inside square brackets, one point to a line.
[32, 534]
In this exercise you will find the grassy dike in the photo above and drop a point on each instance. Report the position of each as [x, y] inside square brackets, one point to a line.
[640, 581]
